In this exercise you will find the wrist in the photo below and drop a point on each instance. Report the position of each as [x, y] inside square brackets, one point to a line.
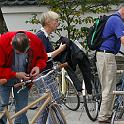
[59, 50]
[16, 74]
[49, 55]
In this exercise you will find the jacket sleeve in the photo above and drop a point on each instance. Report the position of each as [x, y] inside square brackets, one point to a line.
[5, 72]
[42, 58]
[40, 54]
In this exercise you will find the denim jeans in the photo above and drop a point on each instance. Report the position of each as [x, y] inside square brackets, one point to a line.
[21, 100]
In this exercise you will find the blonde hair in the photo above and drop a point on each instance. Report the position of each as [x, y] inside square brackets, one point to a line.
[121, 6]
[47, 16]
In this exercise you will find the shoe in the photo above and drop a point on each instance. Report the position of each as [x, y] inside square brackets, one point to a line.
[105, 121]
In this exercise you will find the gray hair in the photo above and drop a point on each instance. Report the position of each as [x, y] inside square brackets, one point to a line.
[47, 16]
[20, 41]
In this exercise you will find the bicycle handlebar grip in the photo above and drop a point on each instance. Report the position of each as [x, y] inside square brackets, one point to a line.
[118, 92]
[18, 84]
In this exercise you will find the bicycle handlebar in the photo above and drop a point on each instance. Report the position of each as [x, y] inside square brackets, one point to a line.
[118, 92]
[24, 83]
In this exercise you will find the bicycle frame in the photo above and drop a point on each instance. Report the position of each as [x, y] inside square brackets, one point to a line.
[63, 73]
[47, 97]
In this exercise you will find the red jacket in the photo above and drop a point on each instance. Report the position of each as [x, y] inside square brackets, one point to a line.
[36, 54]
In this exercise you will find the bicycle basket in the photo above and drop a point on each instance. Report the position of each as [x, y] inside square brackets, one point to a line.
[39, 87]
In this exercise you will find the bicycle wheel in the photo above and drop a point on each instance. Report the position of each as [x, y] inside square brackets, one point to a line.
[118, 107]
[56, 115]
[117, 115]
[92, 102]
[70, 97]
[1, 121]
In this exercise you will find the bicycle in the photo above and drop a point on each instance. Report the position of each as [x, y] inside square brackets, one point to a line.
[118, 109]
[55, 112]
[92, 101]
[70, 96]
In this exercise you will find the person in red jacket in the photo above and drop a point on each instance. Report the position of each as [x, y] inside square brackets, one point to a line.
[22, 55]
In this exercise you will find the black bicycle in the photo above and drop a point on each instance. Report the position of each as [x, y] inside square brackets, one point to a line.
[118, 109]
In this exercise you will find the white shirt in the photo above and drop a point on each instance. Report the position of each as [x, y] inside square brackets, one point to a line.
[45, 33]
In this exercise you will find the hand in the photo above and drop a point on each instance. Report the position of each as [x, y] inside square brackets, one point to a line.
[22, 75]
[3, 81]
[62, 47]
[34, 72]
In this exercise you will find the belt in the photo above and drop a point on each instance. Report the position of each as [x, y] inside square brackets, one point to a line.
[106, 51]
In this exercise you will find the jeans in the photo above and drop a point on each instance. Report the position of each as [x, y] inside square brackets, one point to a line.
[74, 78]
[21, 100]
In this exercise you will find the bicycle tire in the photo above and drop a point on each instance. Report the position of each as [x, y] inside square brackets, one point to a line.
[56, 114]
[118, 108]
[92, 102]
[116, 115]
[1, 121]
[70, 98]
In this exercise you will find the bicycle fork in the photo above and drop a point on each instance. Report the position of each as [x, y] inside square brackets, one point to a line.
[63, 81]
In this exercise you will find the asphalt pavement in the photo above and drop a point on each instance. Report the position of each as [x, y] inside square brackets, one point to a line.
[72, 117]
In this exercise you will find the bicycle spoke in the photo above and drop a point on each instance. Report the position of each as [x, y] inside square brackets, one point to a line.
[70, 98]
[92, 102]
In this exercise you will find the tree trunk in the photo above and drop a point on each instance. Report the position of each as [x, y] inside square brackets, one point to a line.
[3, 27]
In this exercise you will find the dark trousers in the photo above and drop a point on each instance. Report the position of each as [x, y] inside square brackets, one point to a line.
[77, 83]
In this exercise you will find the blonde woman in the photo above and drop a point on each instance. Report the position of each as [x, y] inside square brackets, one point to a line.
[49, 23]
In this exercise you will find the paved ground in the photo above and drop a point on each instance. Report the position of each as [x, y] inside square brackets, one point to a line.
[73, 117]
[77, 117]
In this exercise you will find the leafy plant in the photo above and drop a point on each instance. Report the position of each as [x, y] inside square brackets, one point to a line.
[72, 13]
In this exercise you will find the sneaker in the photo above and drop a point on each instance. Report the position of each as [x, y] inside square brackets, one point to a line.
[105, 121]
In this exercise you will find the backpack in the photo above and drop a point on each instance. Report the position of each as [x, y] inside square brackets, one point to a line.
[94, 38]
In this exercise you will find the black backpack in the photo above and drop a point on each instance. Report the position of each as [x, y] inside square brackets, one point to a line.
[94, 38]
